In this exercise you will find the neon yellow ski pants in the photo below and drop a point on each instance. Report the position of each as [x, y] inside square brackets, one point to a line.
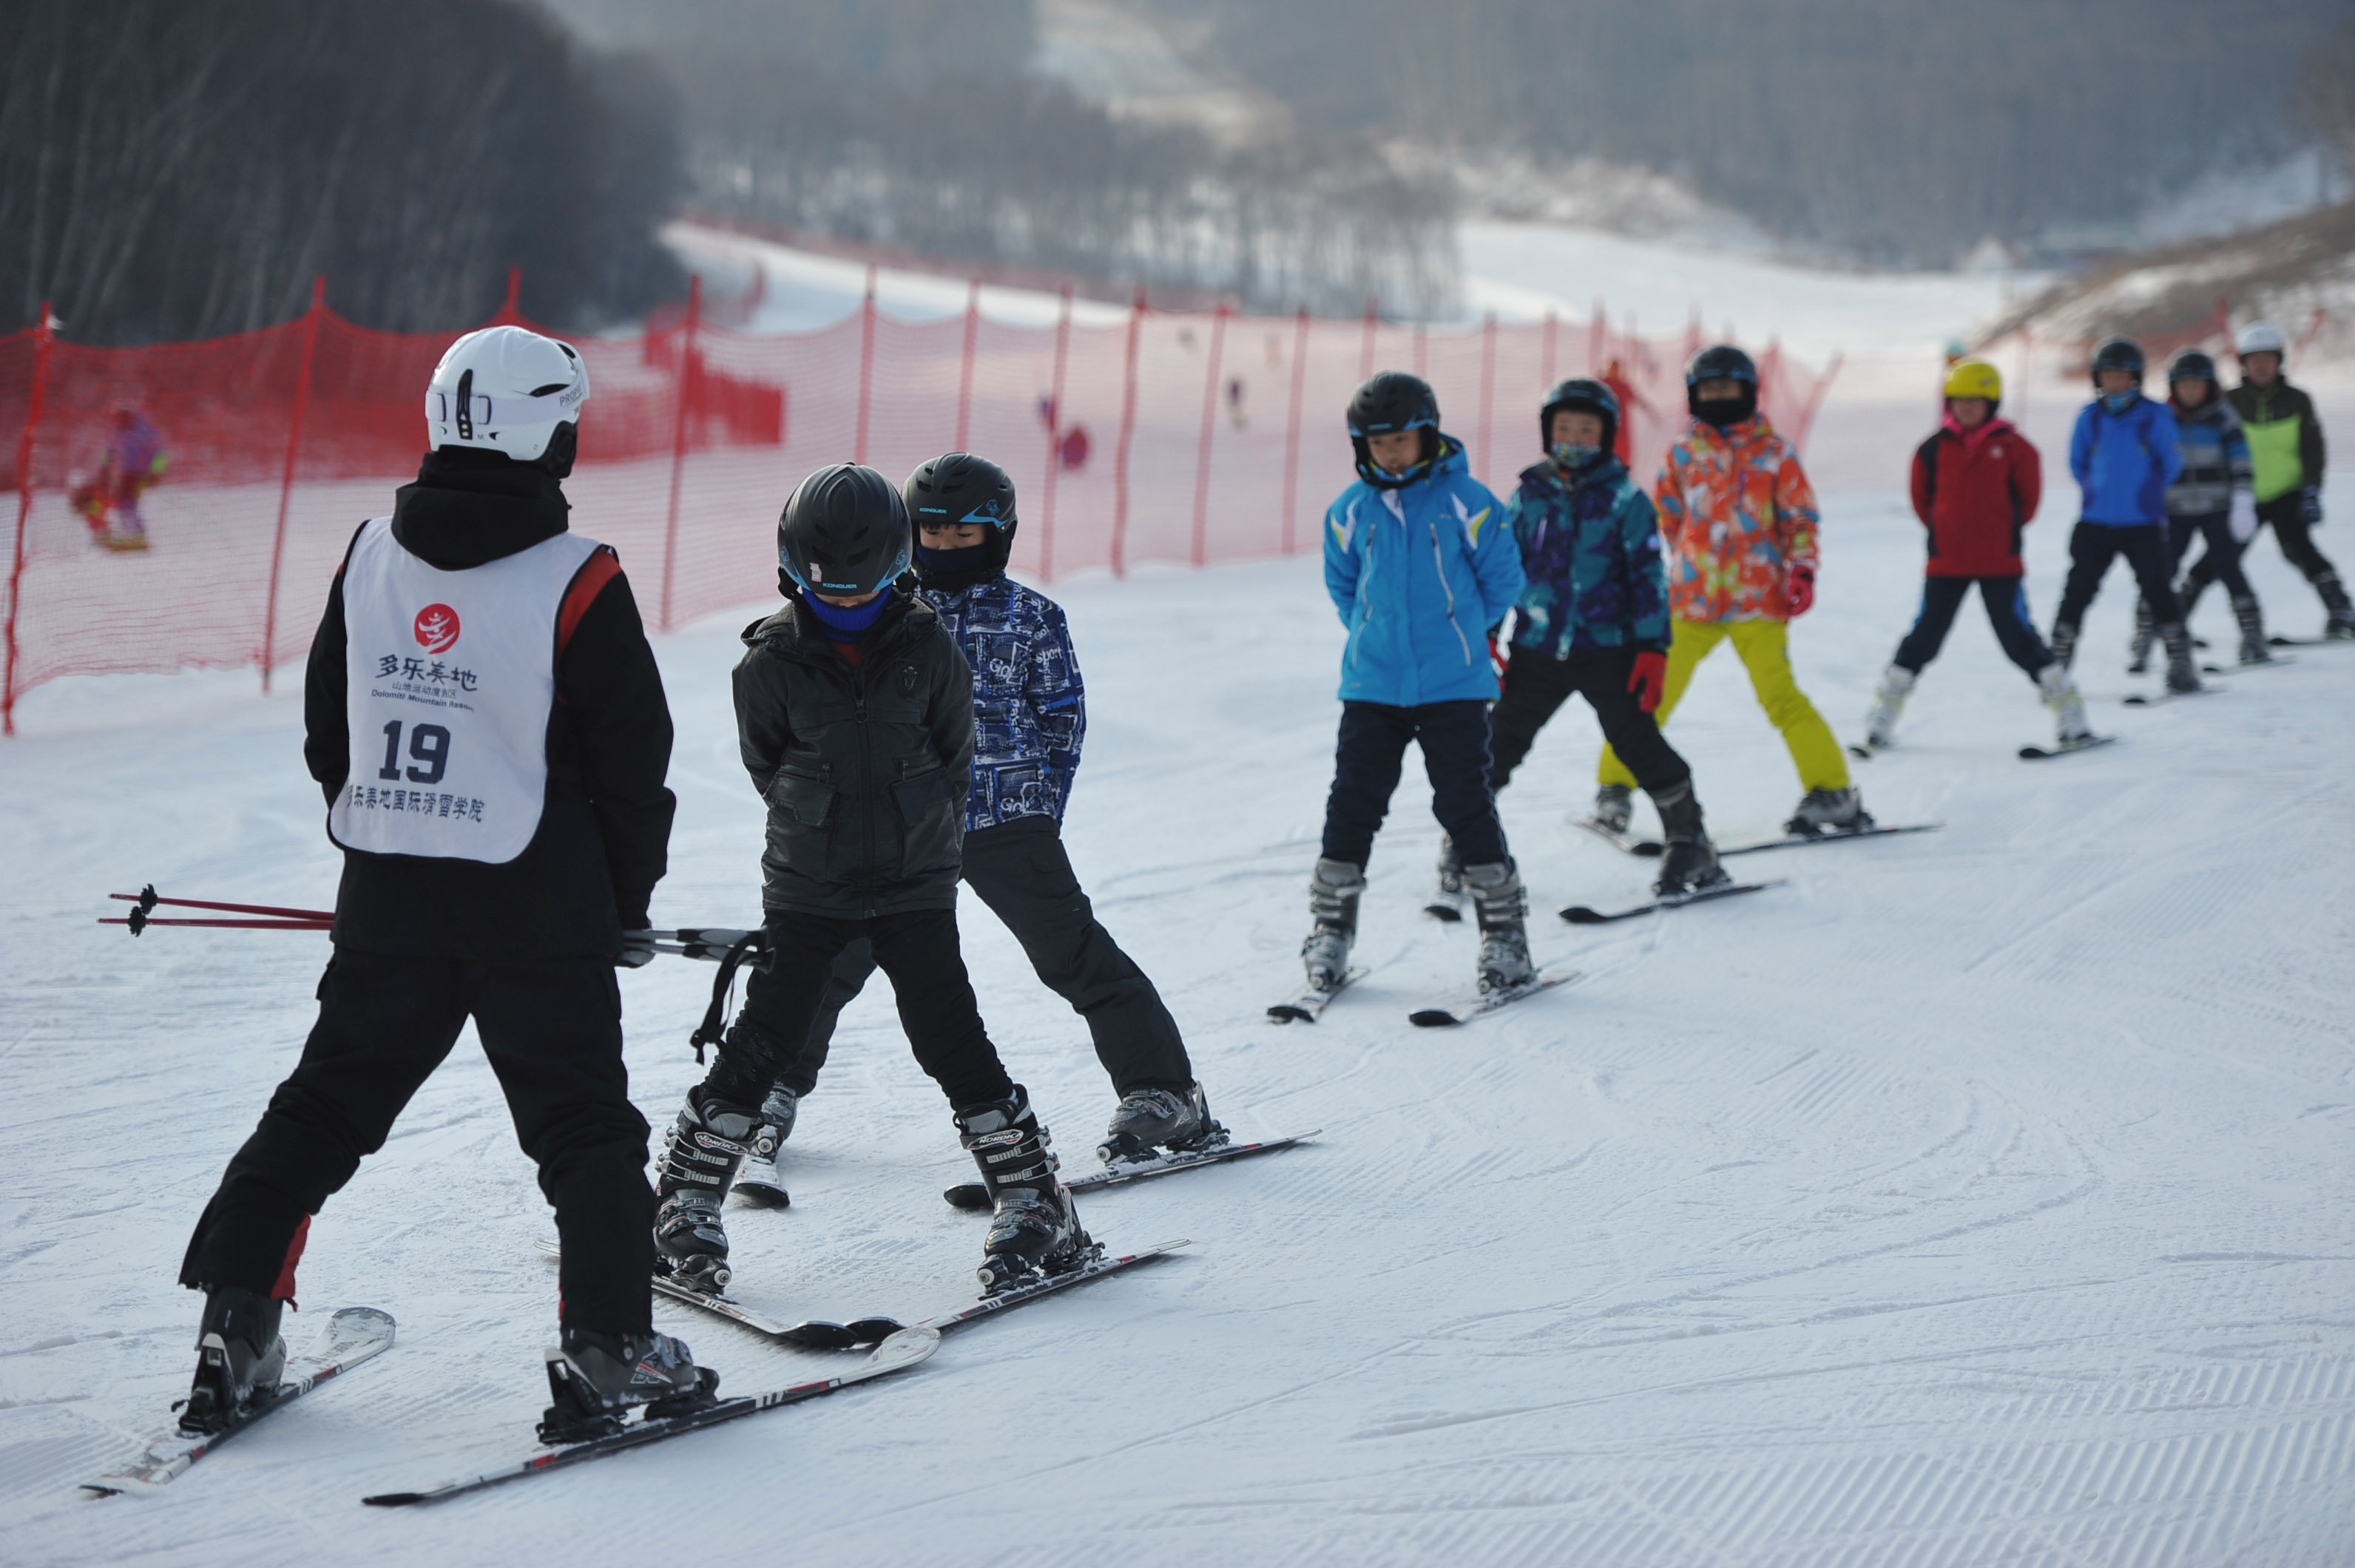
[1764, 649]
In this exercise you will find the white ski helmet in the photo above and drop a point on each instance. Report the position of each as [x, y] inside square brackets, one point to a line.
[2259, 338]
[504, 389]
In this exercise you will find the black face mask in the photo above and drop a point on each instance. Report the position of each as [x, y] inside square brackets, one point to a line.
[1723, 412]
[946, 571]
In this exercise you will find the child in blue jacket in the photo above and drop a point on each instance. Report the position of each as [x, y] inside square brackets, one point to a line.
[2125, 454]
[1422, 568]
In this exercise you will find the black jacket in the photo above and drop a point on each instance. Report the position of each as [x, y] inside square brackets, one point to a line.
[865, 767]
[604, 831]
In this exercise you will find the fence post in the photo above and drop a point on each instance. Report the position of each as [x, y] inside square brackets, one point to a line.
[1054, 442]
[44, 333]
[1488, 392]
[1127, 430]
[1291, 424]
[678, 440]
[866, 363]
[965, 369]
[513, 310]
[1365, 342]
[1209, 424]
[1815, 400]
[1419, 348]
[1545, 350]
[1598, 340]
[286, 483]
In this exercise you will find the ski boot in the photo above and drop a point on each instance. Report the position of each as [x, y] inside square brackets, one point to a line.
[1447, 905]
[2145, 635]
[2252, 617]
[2068, 708]
[1036, 1229]
[1146, 1118]
[1688, 859]
[1881, 724]
[2339, 622]
[1333, 892]
[1825, 812]
[2182, 669]
[240, 1358]
[594, 1378]
[706, 1148]
[1615, 807]
[1502, 905]
[2063, 642]
[760, 1182]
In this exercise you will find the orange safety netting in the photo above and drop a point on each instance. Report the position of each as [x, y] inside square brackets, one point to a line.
[1169, 437]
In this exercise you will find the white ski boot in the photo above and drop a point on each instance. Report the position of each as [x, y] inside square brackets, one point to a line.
[1825, 812]
[2068, 708]
[1334, 889]
[1615, 807]
[1503, 907]
[1881, 724]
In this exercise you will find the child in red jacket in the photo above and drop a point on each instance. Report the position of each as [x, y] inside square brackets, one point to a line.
[1976, 483]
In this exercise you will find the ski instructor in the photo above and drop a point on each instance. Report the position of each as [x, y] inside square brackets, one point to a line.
[487, 722]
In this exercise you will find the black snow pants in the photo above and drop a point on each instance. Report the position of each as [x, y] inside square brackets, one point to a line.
[917, 948]
[552, 1029]
[1021, 870]
[2286, 515]
[2220, 563]
[2094, 546]
[1536, 684]
[1371, 756]
[2006, 599]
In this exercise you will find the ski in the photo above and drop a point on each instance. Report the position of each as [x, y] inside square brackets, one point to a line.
[866, 1331]
[725, 1306]
[1578, 914]
[897, 1352]
[1794, 840]
[973, 1196]
[1864, 753]
[350, 1335]
[2273, 663]
[2303, 642]
[2042, 753]
[1310, 1004]
[2159, 700]
[1481, 1006]
[1622, 842]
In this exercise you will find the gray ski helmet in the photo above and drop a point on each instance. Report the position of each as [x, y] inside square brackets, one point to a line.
[2118, 354]
[1586, 395]
[844, 530]
[1721, 361]
[1389, 402]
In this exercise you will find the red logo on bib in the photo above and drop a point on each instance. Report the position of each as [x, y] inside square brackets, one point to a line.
[436, 627]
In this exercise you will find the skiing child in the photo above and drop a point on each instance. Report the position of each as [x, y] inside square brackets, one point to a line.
[133, 464]
[1740, 518]
[2212, 498]
[1593, 618]
[2286, 450]
[2124, 455]
[1422, 569]
[488, 725]
[1976, 484]
[1029, 718]
[855, 718]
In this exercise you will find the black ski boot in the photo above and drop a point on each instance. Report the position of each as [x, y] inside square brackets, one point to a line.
[240, 1358]
[2338, 622]
[1447, 903]
[1150, 1117]
[1334, 889]
[2182, 669]
[1826, 813]
[2252, 618]
[1615, 807]
[2145, 635]
[1688, 859]
[1503, 907]
[594, 1378]
[706, 1146]
[2063, 642]
[1036, 1231]
[760, 1182]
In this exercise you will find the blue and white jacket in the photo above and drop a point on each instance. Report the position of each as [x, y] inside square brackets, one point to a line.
[2123, 463]
[1029, 710]
[1590, 547]
[1421, 574]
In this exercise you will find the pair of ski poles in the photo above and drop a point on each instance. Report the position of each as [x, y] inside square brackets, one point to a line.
[711, 942]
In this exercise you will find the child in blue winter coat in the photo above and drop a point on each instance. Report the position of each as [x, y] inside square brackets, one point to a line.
[2125, 454]
[1422, 568]
[1593, 618]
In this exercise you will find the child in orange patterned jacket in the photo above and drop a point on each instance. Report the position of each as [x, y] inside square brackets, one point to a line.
[1739, 518]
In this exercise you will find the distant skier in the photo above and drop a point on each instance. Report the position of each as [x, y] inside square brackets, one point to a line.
[1030, 718]
[855, 718]
[1740, 520]
[2287, 449]
[2123, 453]
[489, 727]
[2212, 498]
[133, 464]
[1976, 484]
[1420, 565]
[1593, 618]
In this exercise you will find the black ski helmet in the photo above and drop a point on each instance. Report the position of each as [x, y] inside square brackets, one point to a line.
[1392, 400]
[958, 487]
[844, 531]
[2118, 354]
[1721, 361]
[2191, 365]
[1586, 395]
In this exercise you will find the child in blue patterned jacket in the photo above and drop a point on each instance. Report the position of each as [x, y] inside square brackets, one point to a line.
[1030, 718]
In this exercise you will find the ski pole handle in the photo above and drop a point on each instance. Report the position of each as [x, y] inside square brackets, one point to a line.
[711, 942]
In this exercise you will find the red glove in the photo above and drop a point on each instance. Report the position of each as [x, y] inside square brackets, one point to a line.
[1801, 590]
[1649, 679]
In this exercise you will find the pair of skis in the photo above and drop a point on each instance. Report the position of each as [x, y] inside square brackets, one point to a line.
[1652, 848]
[1308, 1004]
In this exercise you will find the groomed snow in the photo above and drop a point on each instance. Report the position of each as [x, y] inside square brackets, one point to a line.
[1976, 1197]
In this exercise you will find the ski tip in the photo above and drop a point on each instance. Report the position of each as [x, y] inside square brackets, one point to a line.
[1863, 753]
[1285, 1013]
[1649, 849]
[393, 1499]
[1433, 1017]
[905, 1347]
[970, 1196]
[1578, 914]
[819, 1337]
[1447, 914]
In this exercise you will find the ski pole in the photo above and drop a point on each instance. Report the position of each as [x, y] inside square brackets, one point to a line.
[146, 898]
[140, 923]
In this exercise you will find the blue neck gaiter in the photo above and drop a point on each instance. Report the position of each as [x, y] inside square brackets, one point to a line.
[848, 625]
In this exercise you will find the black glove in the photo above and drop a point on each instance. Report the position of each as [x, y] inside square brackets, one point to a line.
[637, 950]
[2309, 506]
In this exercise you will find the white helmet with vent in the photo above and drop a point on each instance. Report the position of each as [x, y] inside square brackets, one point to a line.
[506, 390]
[2258, 337]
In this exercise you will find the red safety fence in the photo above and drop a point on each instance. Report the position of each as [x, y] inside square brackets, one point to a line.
[1195, 437]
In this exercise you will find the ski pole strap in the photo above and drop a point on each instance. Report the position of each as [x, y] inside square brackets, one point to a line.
[715, 1016]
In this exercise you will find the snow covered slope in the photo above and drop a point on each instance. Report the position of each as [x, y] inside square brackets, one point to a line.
[1977, 1197]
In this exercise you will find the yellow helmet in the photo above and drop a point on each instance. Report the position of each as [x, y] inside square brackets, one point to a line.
[1974, 378]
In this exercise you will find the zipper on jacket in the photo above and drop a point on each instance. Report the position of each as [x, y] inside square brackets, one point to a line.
[1439, 561]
